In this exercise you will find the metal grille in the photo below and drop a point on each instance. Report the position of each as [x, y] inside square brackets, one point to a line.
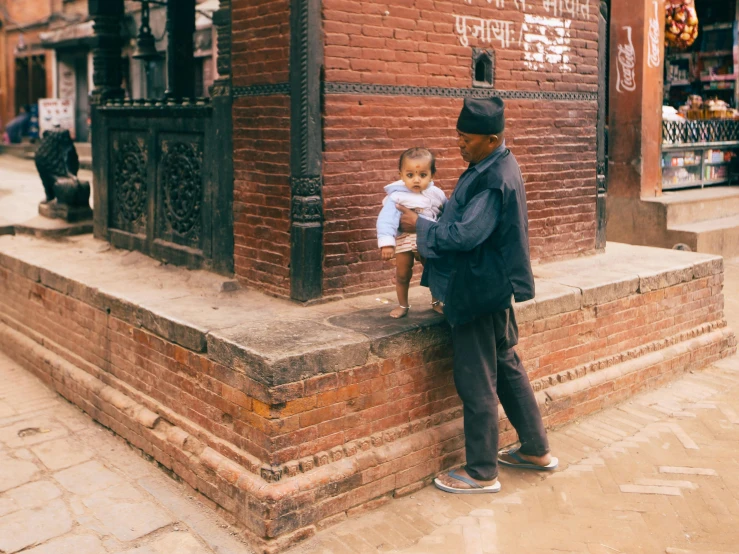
[689, 132]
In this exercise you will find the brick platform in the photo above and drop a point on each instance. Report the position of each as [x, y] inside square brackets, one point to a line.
[287, 416]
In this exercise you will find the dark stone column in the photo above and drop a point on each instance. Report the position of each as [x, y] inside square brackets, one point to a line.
[222, 22]
[306, 60]
[221, 135]
[180, 61]
[107, 16]
[602, 139]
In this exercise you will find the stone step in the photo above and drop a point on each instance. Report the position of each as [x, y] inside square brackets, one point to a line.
[84, 149]
[715, 236]
[693, 206]
[27, 151]
[23, 150]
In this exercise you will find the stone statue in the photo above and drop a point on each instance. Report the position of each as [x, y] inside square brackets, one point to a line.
[57, 163]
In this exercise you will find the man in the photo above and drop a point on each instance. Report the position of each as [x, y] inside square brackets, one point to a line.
[477, 260]
[17, 128]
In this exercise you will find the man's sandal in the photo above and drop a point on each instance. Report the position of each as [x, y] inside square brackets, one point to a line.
[515, 460]
[477, 488]
[402, 313]
[437, 304]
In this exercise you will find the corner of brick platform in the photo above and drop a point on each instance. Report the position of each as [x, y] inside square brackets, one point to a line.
[592, 337]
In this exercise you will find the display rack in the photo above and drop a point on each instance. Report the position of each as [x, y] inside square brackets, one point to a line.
[699, 154]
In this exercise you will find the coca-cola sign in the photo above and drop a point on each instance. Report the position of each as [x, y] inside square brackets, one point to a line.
[654, 57]
[626, 64]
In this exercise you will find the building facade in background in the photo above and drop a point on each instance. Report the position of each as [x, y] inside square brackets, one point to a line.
[47, 53]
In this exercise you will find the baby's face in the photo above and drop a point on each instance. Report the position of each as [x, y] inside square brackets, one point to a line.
[416, 173]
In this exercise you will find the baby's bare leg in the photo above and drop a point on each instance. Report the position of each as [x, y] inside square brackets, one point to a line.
[403, 274]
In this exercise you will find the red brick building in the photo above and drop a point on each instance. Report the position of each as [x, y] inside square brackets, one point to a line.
[25, 68]
[289, 416]
[351, 84]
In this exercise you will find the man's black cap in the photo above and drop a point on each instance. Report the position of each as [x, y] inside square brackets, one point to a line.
[482, 116]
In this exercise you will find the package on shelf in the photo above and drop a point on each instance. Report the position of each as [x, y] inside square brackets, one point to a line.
[715, 172]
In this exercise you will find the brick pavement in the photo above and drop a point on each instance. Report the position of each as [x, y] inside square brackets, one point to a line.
[658, 474]
[69, 486]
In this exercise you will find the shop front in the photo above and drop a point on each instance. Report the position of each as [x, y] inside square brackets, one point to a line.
[700, 128]
[674, 127]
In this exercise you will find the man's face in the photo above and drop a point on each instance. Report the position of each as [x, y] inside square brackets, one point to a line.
[475, 148]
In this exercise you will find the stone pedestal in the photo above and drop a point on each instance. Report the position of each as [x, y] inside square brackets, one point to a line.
[43, 226]
[70, 214]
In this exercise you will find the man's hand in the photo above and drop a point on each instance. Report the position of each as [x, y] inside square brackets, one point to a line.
[407, 220]
[387, 253]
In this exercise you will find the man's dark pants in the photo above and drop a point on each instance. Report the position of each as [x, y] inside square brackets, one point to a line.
[486, 367]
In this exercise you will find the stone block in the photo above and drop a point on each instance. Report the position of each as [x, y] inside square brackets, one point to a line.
[30, 495]
[76, 544]
[43, 227]
[125, 513]
[87, 478]
[180, 543]
[279, 352]
[394, 337]
[62, 453]
[25, 528]
[553, 299]
[16, 265]
[655, 280]
[705, 268]
[14, 473]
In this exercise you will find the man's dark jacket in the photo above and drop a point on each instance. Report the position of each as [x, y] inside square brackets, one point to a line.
[486, 277]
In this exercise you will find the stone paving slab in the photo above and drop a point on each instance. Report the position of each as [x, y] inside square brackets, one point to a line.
[72, 487]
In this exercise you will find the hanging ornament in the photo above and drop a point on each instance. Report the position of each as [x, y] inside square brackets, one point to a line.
[681, 23]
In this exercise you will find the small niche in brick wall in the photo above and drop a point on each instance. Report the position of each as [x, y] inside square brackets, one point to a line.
[483, 68]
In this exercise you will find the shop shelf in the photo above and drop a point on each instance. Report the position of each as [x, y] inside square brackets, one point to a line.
[718, 77]
[710, 182]
[715, 54]
[719, 85]
[718, 27]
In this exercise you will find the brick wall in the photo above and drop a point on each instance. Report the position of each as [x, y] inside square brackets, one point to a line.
[290, 422]
[284, 457]
[261, 127]
[262, 191]
[365, 134]
[417, 44]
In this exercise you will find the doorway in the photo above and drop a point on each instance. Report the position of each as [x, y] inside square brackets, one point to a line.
[602, 129]
[82, 101]
[30, 80]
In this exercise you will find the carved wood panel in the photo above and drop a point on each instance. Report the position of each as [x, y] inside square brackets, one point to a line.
[128, 175]
[180, 189]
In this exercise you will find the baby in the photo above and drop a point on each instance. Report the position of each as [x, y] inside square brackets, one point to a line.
[415, 191]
